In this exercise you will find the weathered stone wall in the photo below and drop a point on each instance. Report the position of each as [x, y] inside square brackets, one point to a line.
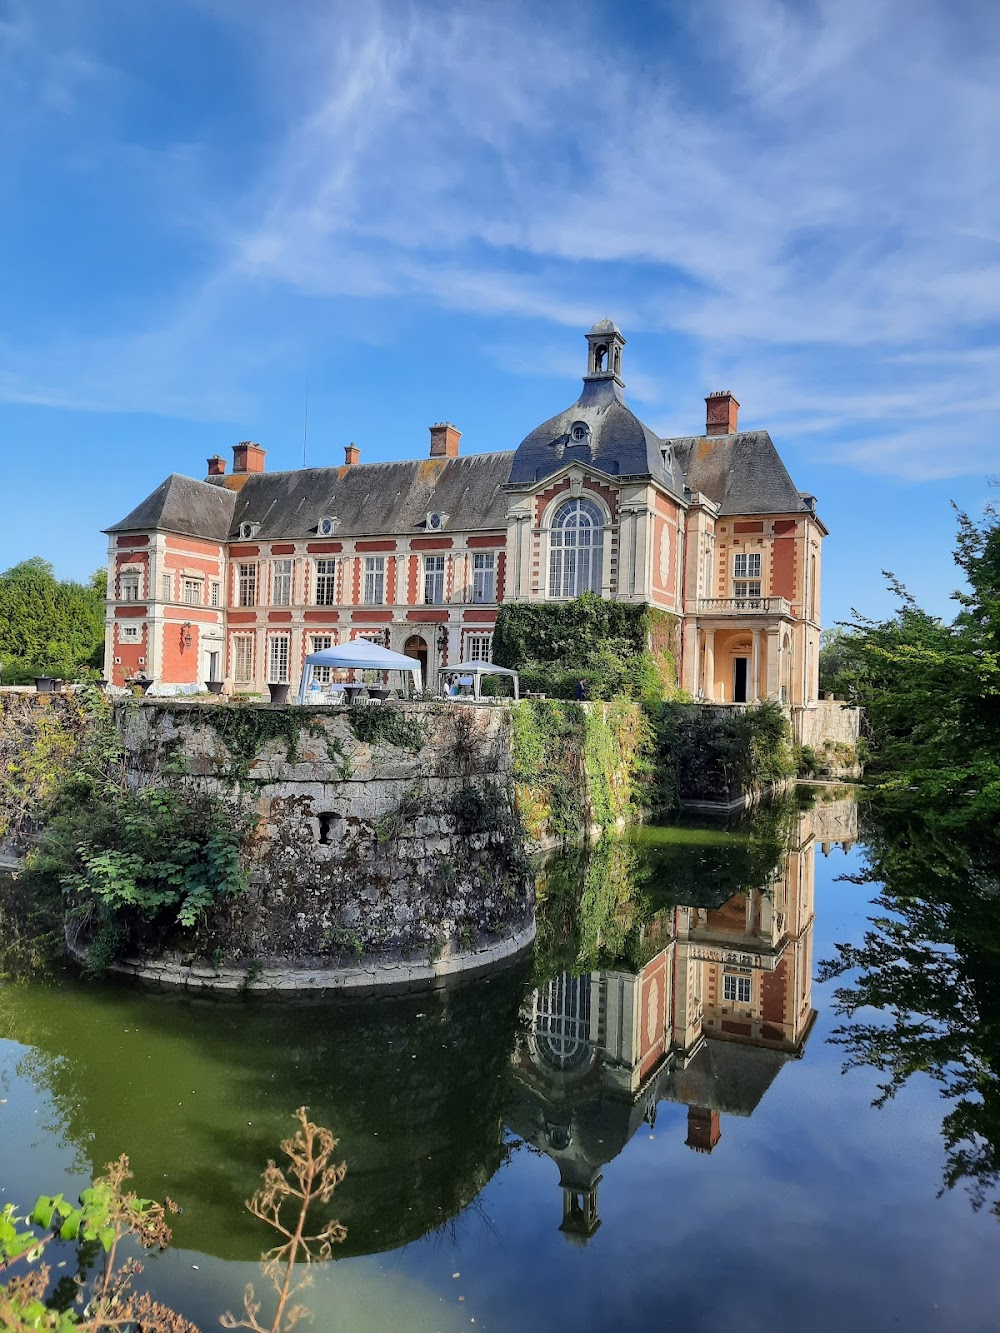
[396, 852]
[832, 729]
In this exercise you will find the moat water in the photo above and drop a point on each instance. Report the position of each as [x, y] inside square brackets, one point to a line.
[646, 1125]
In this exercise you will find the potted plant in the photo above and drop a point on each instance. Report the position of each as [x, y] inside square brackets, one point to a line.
[44, 684]
[213, 686]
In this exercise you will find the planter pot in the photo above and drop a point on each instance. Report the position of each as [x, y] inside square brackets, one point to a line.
[44, 684]
[141, 685]
[213, 686]
[279, 693]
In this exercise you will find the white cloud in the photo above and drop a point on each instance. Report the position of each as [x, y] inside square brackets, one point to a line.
[788, 185]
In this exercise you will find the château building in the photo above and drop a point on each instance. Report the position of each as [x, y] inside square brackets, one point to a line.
[239, 575]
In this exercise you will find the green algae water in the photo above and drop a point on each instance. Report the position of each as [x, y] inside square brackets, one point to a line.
[646, 1123]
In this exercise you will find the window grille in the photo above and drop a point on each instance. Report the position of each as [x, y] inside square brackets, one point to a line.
[165, 585]
[433, 580]
[216, 594]
[277, 658]
[478, 647]
[192, 592]
[246, 588]
[736, 989]
[281, 583]
[326, 582]
[576, 545]
[243, 659]
[323, 675]
[130, 587]
[484, 577]
[375, 580]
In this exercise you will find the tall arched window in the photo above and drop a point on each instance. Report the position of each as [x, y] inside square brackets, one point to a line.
[575, 549]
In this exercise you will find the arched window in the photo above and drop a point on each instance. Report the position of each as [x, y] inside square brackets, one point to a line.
[562, 1021]
[575, 549]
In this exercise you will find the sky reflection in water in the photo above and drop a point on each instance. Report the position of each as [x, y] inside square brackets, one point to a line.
[640, 1143]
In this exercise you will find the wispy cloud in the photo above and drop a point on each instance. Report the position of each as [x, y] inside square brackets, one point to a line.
[807, 193]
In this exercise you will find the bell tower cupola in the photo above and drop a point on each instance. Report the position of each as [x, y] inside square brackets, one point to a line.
[604, 352]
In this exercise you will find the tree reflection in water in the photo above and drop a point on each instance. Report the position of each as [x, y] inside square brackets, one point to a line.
[929, 966]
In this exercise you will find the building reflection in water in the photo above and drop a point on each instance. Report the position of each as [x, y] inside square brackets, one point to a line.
[708, 1022]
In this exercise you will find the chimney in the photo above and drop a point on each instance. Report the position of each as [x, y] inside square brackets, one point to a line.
[444, 440]
[721, 414]
[248, 457]
[351, 454]
[704, 1131]
[216, 466]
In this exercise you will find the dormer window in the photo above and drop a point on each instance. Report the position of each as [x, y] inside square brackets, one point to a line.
[327, 525]
[579, 432]
[248, 531]
[434, 522]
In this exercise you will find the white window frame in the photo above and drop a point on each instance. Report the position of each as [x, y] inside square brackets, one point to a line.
[194, 592]
[281, 581]
[325, 591]
[747, 575]
[242, 648]
[576, 549]
[434, 567]
[279, 653]
[167, 587]
[246, 584]
[130, 584]
[737, 988]
[129, 634]
[374, 584]
[484, 576]
[323, 675]
[478, 647]
[215, 597]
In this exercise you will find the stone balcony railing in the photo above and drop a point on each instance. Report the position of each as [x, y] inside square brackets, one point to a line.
[744, 606]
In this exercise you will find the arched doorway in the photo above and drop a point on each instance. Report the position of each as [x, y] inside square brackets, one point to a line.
[415, 646]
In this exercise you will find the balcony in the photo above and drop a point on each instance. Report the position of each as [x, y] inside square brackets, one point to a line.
[744, 606]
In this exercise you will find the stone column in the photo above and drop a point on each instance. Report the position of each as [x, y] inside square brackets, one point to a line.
[755, 667]
[710, 665]
[773, 662]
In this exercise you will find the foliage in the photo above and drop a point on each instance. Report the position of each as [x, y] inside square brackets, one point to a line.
[705, 754]
[129, 863]
[42, 744]
[613, 647]
[925, 994]
[49, 627]
[931, 691]
[105, 1216]
[385, 725]
[314, 1179]
[577, 765]
[246, 728]
[837, 649]
[108, 1214]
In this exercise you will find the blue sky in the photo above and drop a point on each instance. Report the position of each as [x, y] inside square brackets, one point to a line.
[420, 208]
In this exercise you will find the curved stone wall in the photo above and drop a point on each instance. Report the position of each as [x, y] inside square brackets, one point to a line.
[386, 849]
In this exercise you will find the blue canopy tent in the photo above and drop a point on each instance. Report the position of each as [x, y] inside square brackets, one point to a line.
[359, 655]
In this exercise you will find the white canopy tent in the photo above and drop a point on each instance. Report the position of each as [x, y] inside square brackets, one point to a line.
[359, 655]
[477, 670]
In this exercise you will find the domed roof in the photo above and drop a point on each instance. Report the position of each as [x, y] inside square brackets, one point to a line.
[600, 431]
[606, 326]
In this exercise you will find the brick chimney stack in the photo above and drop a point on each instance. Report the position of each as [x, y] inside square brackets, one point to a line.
[351, 454]
[216, 466]
[248, 457]
[444, 440]
[722, 411]
[704, 1131]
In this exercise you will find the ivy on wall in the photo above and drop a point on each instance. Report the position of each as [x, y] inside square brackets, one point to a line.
[615, 648]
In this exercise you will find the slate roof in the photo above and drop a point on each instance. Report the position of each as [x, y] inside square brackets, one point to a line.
[617, 443]
[373, 499]
[742, 473]
[726, 1076]
[185, 506]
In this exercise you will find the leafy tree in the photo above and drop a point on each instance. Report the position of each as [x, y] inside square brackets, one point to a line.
[49, 626]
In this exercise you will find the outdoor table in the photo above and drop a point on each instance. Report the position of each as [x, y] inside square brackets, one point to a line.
[380, 694]
[352, 691]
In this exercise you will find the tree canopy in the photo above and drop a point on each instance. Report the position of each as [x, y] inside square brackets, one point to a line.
[49, 626]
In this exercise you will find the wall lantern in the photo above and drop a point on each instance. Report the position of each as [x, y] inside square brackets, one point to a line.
[186, 634]
[443, 638]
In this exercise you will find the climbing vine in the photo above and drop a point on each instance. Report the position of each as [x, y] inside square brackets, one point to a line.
[385, 725]
[245, 729]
